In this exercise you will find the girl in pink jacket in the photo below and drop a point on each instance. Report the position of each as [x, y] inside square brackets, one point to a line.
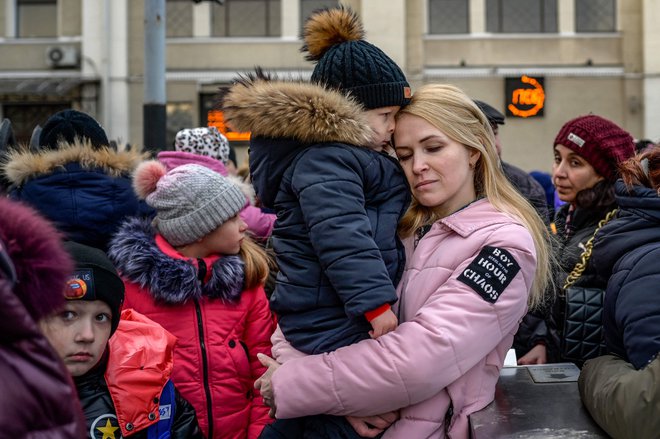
[477, 256]
[193, 271]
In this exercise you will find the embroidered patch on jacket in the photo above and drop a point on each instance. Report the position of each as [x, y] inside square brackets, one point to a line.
[490, 272]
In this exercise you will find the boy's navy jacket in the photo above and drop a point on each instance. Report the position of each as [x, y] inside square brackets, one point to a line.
[337, 203]
[85, 192]
[628, 248]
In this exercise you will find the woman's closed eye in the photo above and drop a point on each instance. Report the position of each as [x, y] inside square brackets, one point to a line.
[433, 148]
[403, 155]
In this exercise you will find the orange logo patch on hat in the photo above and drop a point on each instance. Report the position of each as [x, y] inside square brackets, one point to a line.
[407, 92]
[75, 289]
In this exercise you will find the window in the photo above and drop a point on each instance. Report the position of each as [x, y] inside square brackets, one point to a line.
[309, 6]
[179, 18]
[521, 16]
[179, 116]
[448, 17]
[36, 18]
[595, 15]
[246, 18]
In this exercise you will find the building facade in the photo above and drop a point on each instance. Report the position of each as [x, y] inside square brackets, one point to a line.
[541, 62]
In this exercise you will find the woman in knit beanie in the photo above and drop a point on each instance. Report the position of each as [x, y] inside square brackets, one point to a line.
[587, 151]
[195, 272]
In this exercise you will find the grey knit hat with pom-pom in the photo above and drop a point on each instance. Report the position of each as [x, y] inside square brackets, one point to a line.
[335, 39]
[191, 201]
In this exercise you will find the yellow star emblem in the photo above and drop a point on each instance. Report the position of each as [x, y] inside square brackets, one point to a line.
[108, 430]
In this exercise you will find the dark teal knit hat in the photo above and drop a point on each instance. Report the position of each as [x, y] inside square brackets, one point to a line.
[345, 61]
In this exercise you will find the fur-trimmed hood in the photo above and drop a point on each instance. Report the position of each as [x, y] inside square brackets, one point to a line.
[172, 281]
[295, 110]
[285, 118]
[23, 165]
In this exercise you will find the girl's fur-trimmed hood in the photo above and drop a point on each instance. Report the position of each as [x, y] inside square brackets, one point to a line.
[306, 112]
[171, 281]
[23, 165]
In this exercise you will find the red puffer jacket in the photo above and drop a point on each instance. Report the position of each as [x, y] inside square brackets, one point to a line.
[220, 327]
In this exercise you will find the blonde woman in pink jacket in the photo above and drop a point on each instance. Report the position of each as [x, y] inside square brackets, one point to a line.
[477, 258]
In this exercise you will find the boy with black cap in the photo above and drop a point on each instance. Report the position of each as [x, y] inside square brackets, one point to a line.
[106, 368]
[319, 158]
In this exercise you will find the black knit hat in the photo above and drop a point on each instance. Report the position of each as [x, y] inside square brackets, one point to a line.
[335, 39]
[95, 278]
[67, 125]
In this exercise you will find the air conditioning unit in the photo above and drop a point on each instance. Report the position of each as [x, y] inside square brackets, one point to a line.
[62, 56]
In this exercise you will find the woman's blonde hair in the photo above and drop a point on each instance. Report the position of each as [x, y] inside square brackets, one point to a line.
[257, 263]
[451, 111]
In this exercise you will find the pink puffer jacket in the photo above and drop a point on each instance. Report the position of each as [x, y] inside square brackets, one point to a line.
[462, 296]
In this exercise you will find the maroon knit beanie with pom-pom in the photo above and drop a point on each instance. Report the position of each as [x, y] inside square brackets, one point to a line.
[599, 141]
[40, 263]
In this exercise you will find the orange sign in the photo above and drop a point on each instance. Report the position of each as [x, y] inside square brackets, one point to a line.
[527, 98]
[216, 118]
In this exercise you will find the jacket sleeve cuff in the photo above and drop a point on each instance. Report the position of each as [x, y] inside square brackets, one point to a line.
[370, 315]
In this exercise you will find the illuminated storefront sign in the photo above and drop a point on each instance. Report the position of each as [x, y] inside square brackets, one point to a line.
[525, 96]
[216, 119]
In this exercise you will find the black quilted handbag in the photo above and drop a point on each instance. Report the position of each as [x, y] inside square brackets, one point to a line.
[583, 336]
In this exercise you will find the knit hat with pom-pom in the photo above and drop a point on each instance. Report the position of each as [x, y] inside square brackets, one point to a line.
[190, 201]
[335, 39]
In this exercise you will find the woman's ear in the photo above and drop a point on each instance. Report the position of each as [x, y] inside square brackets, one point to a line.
[474, 157]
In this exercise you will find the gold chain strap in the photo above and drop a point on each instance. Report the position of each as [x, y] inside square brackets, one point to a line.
[586, 254]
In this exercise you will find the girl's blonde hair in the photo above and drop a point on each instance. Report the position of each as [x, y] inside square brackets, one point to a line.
[257, 263]
[451, 111]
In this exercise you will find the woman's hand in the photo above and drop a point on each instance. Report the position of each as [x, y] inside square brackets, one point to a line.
[536, 355]
[372, 426]
[264, 384]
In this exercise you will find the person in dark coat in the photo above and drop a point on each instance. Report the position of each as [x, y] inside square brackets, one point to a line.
[123, 382]
[38, 398]
[620, 390]
[320, 160]
[76, 179]
[626, 251]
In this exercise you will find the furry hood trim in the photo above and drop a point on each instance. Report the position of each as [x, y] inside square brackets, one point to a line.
[306, 112]
[171, 281]
[23, 165]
